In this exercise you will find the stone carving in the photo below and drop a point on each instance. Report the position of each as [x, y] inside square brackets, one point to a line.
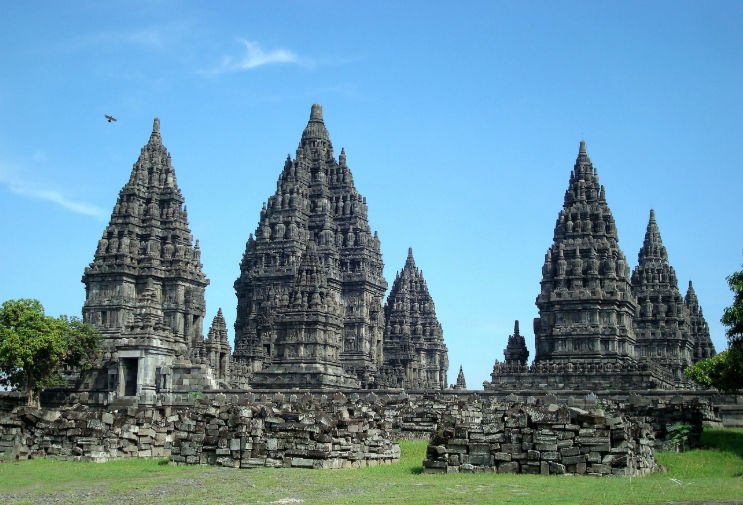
[415, 356]
[662, 324]
[315, 201]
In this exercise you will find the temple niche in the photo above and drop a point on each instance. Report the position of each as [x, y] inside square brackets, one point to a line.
[415, 356]
[315, 202]
[662, 323]
[145, 286]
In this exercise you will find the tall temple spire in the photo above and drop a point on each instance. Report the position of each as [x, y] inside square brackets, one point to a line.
[415, 356]
[316, 204]
[698, 327]
[662, 323]
[585, 305]
[145, 286]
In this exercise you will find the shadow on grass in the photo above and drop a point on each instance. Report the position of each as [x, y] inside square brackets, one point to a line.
[724, 440]
[416, 470]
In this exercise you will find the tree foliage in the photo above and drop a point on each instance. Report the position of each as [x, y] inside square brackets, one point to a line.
[732, 317]
[34, 347]
[725, 370]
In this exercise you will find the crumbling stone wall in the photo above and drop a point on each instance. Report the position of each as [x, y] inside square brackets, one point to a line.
[291, 432]
[542, 439]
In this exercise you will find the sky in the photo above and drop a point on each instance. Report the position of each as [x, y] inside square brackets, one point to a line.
[461, 126]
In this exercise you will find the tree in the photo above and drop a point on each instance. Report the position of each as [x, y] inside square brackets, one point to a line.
[732, 317]
[725, 370]
[35, 348]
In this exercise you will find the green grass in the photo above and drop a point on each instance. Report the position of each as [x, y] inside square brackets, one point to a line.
[712, 473]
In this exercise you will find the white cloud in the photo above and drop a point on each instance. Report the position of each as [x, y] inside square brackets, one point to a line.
[255, 56]
[34, 191]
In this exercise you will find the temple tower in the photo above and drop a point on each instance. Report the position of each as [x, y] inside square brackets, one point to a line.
[415, 356]
[586, 306]
[217, 348]
[698, 328]
[662, 322]
[315, 201]
[461, 382]
[145, 287]
[516, 351]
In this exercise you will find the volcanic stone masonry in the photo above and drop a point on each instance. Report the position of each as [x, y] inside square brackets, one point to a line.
[415, 356]
[309, 295]
[698, 328]
[594, 322]
[662, 321]
[543, 439]
[145, 289]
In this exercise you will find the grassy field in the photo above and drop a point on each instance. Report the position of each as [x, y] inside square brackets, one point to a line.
[712, 473]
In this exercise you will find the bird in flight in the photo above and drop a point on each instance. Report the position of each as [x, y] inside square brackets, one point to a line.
[109, 118]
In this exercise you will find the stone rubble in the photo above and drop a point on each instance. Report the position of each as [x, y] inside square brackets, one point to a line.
[283, 432]
[540, 439]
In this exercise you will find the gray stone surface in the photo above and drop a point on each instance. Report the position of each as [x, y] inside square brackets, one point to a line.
[315, 201]
[698, 328]
[415, 355]
[145, 286]
[541, 439]
[662, 320]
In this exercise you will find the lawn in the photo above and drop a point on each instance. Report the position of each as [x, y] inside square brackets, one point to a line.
[712, 473]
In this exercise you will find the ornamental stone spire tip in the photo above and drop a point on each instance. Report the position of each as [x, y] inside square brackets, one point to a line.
[410, 261]
[316, 112]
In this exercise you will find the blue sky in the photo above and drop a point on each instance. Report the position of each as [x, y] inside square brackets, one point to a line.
[461, 127]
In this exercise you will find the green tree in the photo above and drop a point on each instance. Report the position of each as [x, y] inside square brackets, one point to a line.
[725, 370]
[732, 317]
[35, 348]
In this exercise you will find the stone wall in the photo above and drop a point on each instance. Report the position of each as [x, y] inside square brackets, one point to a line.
[290, 432]
[541, 439]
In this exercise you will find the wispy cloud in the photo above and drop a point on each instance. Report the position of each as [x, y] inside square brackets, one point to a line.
[31, 190]
[157, 37]
[256, 56]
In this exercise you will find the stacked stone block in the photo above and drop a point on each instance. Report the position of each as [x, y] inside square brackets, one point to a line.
[281, 432]
[539, 439]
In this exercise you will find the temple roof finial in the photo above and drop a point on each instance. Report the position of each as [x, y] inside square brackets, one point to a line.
[582, 149]
[316, 112]
[410, 261]
[155, 135]
[652, 215]
[516, 327]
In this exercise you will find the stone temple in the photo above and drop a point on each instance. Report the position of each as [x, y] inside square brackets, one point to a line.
[144, 289]
[597, 327]
[309, 294]
[662, 321]
[415, 356]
